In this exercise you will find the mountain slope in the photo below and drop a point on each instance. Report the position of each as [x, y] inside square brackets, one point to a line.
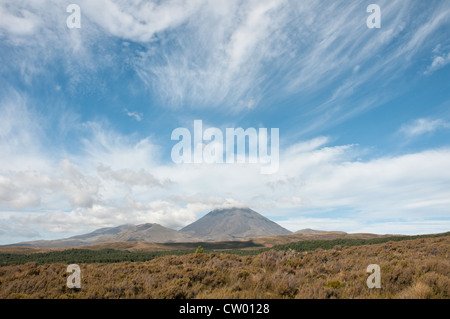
[232, 224]
[145, 232]
[79, 240]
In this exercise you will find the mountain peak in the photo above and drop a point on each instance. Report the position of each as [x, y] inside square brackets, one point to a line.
[231, 211]
[233, 223]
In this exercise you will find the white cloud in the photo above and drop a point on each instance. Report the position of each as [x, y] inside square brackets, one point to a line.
[381, 187]
[30, 28]
[105, 146]
[208, 53]
[131, 178]
[21, 189]
[137, 20]
[23, 22]
[438, 63]
[423, 126]
[308, 146]
[81, 189]
[218, 55]
[137, 116]
[21, 135]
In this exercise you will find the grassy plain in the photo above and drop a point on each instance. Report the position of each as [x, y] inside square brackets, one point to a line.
[410, 268]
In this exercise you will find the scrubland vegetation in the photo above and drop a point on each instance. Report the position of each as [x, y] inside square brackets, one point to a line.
[80, 255]
[415, 268]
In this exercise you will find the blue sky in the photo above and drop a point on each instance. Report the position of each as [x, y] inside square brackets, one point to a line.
[86, 114]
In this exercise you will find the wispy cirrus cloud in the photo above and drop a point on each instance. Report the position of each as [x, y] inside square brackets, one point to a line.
[347, 61]
[23, 23]
[140, 21]
[237, 54]
[423, 126]
[218, 55]
[22, 135]
[137, 116]
[440, 59]
[131, 178]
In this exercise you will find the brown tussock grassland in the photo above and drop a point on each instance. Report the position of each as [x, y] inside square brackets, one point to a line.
[418, 268]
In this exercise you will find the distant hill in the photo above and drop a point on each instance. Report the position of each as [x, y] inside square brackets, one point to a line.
[79, 240]
[233, 224]
[144, 233]
[309, 231]
[148, 233]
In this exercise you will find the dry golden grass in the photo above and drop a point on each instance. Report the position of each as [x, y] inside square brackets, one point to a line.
[417, 268]
[269, 241]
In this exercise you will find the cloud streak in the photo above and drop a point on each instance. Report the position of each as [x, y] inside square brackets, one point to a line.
[137, 116]
[423, 126]
[234, 54]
